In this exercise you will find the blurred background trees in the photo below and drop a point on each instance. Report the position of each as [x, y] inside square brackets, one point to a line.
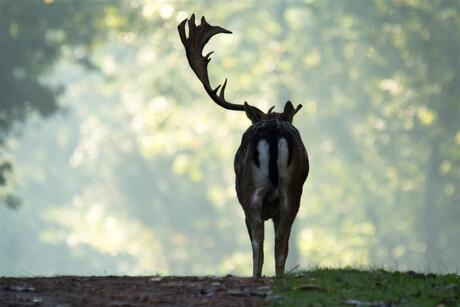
[31, 38]
[136, 176]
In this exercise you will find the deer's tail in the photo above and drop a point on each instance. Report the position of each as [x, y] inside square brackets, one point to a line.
[273, 160]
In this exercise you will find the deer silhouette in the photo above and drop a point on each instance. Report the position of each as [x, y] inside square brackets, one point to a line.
[271, 164]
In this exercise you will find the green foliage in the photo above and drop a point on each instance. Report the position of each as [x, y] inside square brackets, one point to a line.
[32, 36]
[334, 287]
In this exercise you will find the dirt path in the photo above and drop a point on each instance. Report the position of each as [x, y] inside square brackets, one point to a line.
[134, 291]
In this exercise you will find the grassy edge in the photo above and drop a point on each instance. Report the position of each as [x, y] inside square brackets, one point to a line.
[365, 287]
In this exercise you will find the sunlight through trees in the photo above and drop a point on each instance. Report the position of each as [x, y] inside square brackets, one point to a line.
[131, 171]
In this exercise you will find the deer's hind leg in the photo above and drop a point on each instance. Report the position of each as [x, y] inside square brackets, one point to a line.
[257, 244]
[255, 225]
[283, 224]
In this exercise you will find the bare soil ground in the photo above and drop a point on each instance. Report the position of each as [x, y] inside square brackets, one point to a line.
[135, 291]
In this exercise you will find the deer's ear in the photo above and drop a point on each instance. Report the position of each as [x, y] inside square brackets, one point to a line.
[254, 114]
[289, 111]
[288, 107]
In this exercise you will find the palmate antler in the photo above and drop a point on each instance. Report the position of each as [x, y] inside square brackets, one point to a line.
[194, 44]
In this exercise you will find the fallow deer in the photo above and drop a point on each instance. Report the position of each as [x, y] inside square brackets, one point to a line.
[271, 164]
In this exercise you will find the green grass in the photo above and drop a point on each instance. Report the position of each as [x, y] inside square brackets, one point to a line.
[354, 287]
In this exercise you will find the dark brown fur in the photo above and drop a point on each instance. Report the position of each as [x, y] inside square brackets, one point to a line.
[271, 196]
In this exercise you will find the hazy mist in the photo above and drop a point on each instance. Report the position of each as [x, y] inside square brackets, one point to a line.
[113, 160]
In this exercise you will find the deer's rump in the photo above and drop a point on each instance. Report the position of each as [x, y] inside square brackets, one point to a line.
[263, 162]
[271, 151]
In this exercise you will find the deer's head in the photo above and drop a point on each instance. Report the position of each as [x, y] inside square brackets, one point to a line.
[255, 115]
[194, 44]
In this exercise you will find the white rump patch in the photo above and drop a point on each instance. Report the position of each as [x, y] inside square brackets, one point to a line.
[264, 156]
[261, 173]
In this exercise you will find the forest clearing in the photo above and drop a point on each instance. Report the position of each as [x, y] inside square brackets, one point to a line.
[320, 287]
[118, 183]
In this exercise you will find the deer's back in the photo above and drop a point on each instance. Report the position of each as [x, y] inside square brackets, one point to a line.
[270, 162]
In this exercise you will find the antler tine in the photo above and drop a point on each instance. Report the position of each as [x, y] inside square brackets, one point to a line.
[198, 37]
[222, 90]
[270, 110]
